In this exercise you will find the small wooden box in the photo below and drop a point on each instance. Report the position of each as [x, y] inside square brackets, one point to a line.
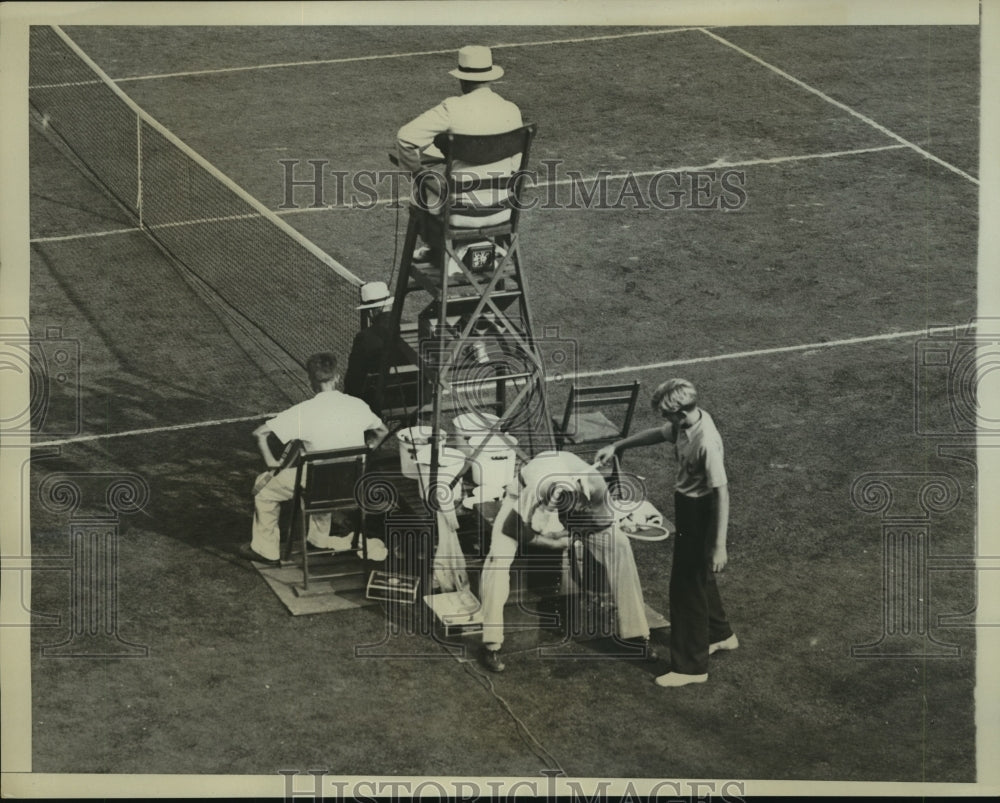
[391, 587]
[459, 612]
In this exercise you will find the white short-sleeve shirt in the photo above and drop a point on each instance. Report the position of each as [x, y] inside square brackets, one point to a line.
[700, 458]
[329, 420]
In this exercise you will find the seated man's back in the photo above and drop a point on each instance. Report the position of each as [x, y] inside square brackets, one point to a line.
[478, 110]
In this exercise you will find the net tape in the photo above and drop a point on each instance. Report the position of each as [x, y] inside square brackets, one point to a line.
[293, 292]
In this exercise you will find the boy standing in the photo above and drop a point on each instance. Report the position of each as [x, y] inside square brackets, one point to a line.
[698, 624]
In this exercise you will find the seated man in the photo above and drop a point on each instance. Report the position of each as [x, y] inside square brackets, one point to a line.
[478, 110]
[535, 509]
[329, 420]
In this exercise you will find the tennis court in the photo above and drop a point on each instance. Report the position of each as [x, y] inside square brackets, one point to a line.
[798, 316]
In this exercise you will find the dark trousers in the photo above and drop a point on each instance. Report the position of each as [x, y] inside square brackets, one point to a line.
[697, 618]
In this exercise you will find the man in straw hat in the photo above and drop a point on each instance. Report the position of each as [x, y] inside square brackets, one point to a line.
[478, 110]
[370, 343]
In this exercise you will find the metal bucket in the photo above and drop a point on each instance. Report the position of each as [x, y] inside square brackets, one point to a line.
[451, 463]
[494, 466]
[469, 425]
[412, 440]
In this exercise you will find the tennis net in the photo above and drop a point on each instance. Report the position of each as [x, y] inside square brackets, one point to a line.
[259, 266]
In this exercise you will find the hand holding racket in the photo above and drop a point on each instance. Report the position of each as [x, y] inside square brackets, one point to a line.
[293, 449]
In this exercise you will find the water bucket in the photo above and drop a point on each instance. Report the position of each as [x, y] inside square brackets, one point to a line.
[469, 425]
[411, 440]
[494, 466]
[451, 463]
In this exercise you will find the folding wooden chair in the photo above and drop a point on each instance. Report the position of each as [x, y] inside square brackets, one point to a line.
[325, 482]
[596, 416]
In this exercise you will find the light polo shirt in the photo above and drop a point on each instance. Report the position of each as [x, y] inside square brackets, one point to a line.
[550, 468]
[538, 475]
[700, 466]
[329, 420]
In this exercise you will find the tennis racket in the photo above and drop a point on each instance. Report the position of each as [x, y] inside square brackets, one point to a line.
[293, 449]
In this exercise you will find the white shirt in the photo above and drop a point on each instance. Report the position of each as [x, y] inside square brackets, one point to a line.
[546, 469]
[700, 458]
[481, 111]
[329, 420]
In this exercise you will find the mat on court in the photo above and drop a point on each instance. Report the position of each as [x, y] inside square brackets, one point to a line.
[340, 593]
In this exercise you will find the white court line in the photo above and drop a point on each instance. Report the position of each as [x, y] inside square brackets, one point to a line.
[851, 341]
[153, 430]
[737, 355]
[718, 163]
[384, 56]
[864, 118]
[64, 237]
[172, 225]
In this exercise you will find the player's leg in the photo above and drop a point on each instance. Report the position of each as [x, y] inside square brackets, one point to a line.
[494, 587]
[266, 540]
[688, 588]
[613, 551]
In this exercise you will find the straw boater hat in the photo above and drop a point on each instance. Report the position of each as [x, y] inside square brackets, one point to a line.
[475, 63]
[374, 294]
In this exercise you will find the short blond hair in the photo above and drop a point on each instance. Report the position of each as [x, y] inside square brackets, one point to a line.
[674, 394]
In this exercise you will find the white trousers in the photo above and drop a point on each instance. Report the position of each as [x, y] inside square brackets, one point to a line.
[266, 536]
[610, 547]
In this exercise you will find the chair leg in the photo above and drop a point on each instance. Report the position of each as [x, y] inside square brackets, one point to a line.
[305, 551]
[287, 549]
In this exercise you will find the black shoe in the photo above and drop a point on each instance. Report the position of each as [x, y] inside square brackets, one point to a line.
[648, 651]
[247, 553]
[492, 660]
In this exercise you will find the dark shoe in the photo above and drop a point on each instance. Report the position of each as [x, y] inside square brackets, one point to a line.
[645, 645]
[492, 660]
[247, 553]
